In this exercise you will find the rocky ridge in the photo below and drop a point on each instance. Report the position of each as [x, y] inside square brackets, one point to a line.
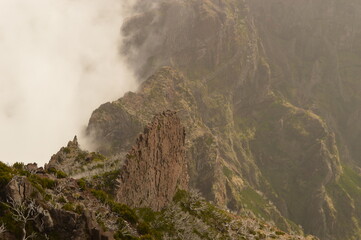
[60, 207]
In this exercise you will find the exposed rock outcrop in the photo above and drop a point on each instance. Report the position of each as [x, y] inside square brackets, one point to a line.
[77, 163]
[156, 167]
[65, 159]
[19, 189]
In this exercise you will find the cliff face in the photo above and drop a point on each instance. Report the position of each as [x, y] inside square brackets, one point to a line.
[268, 93]
[156, 167]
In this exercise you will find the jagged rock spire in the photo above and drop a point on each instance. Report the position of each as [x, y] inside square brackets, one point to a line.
[156, 166]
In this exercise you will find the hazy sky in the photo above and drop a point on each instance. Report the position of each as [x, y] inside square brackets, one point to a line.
[58, 62]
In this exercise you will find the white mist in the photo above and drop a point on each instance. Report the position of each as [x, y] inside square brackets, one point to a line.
[58, 62]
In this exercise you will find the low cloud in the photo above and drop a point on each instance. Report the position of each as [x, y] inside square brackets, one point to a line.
[59, 61]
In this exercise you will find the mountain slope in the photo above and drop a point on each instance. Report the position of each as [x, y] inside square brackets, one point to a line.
[38, 204]
[270, 113]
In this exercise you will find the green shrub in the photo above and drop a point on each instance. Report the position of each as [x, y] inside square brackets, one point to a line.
[82, 184]
[97, 157]
[107, 181]
[79, 209]
[180, 196]
[143, 228]
[100, 165]
[147, 237]
[11, 225]
[69, 207]
[51, 171]
[47, 197]
[123, 210]
[119, 236]
[61, 174]
[101, 224]
[19, 169]
[81, 156]
[66, 150]
[42, 181]
[6, 174]
[61, 200]
[57, 173]
[100, 195]
[18, 166]
[279, 233]
[147, 214]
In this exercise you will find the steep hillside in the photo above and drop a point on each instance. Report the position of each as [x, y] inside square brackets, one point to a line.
[268, 93]
[38, 204]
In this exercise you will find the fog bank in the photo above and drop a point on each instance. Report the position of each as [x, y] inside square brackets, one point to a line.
[59, 61]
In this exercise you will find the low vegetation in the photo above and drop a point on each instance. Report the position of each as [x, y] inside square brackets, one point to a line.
[189, 216]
